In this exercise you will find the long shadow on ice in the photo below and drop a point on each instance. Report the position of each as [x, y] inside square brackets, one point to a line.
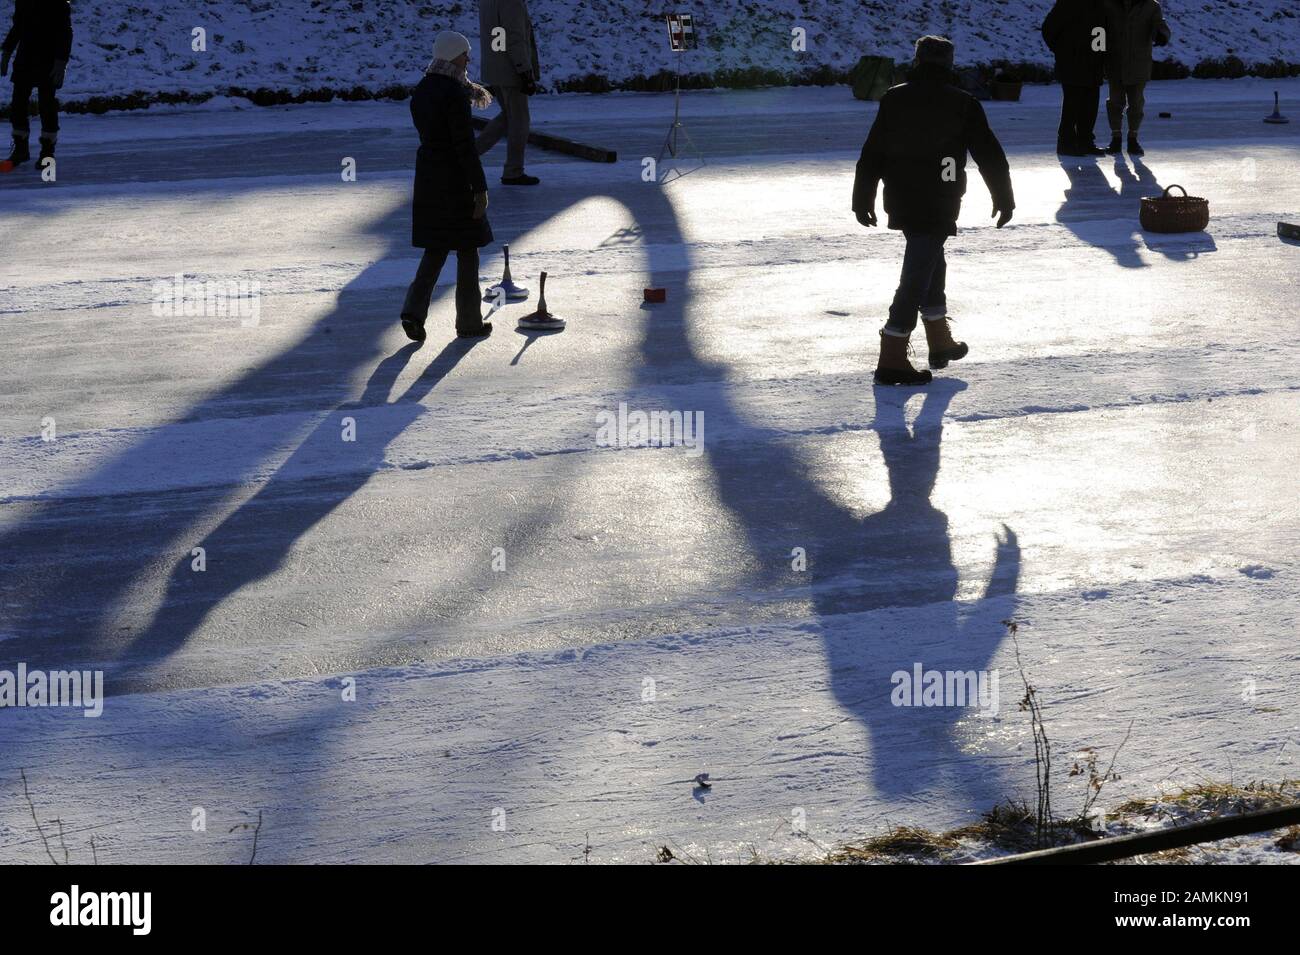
[254, 540]
[883, 585]
[73, 598]
[1102, 216]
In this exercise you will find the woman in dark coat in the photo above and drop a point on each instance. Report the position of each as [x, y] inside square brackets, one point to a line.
[450, 209]
[1075, 33]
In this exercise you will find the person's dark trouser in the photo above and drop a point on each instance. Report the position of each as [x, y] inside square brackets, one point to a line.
[1079, 106]
[921, 286]
[469, 315]
[513, 122]
[1134, 94]
[49, 102]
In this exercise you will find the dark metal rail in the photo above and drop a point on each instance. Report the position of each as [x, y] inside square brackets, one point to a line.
[1122, 847]
[559, 144]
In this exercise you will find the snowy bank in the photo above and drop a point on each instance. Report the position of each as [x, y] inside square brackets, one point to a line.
[362, 48]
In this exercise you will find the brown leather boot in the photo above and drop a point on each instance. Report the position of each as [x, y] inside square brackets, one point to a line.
[893, 368]
[942, 347]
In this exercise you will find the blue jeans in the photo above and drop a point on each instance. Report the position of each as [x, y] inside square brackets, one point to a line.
[921, 286]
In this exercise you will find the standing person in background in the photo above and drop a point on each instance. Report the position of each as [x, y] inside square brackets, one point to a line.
[1132, 26]
[918, 145]
[1075, 33]
[451, 197]
[511, 71]
[40, 42]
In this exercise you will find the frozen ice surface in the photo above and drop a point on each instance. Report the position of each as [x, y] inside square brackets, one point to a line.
[1113, 467]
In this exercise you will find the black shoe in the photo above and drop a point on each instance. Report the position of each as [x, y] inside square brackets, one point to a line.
[1135, 147]
[902, 376]
[413, 327]
[1115, 146]
[483, 331]
[17, 156]
[524, 180]
[1092, 149]
[1064, 148]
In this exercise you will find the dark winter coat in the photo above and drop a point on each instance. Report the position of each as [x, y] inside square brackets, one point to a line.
[41, 35]
[447, 169]
[921, 124]
[1132, 26]
[1068, 32]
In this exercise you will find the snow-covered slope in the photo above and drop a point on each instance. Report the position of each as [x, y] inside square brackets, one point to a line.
[338, 44]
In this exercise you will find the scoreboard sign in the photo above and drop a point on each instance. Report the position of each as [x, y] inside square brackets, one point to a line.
[681, 31]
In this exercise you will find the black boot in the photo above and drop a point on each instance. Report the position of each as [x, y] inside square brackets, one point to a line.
[414, 328]
[1135, 147]
[1090, 148]
[47, 152]
[18, 155]
[1115, 146]
[1066, 147]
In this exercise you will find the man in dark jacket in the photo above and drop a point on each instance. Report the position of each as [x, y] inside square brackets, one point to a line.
[451, 196]
[1132, 26]
[918, 146]
[1075, 32]
[40, 43]
[511, 70]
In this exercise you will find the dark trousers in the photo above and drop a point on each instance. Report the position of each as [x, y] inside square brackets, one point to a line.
[922, 284]
[469, 315]
[49, 101]
[1121, 94]
[1079, 105]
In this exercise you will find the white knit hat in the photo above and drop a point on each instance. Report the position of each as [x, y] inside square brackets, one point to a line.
[450, 45]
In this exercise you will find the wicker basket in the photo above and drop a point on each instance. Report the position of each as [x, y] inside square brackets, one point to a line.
[1168, 213]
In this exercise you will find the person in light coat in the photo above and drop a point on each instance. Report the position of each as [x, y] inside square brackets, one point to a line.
[508, 51]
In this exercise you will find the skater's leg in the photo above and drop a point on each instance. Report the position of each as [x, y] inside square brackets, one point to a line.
[416, 306]
[1136, 108]
[1065, 129]
[1073, 107]
[934, 315]
[1115, 107]
[469, 297]
[518, 121]
[1086, 114]
[1135, 93]
[49, 103]
[922, 254]
[19, 121]
[496, 128]
[935, 301]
